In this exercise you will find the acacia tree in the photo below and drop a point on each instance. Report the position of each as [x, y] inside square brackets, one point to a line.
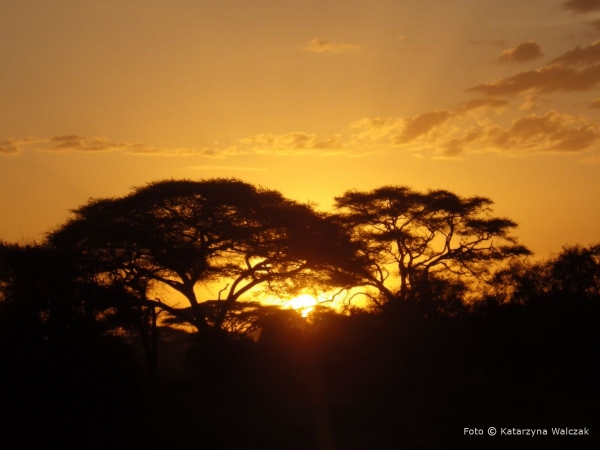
[180, 233]
[407, 238]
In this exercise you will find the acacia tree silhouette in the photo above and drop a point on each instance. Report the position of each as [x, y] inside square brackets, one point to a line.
[182, 232]
[419, 236]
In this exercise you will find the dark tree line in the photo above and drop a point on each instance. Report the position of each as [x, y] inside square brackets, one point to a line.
[399, 244]
[442, 303]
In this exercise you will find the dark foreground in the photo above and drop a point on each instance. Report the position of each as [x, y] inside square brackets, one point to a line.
[345, 382]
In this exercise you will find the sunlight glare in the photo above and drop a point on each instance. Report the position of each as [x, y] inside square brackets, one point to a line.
[304, 304]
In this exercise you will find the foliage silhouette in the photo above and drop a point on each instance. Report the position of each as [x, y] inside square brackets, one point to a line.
[181, 233]
[571, 275]
[422, 236]
[46, 300]
[244, 319]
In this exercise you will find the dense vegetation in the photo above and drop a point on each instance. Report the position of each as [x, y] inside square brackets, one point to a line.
[447, 322]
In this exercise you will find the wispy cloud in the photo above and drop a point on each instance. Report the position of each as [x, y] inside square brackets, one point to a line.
[470, 128]
[82, 144]
[293, 143]
[581, 6]
[547, 79]
[9, 147]
[589, 54]
[494, 103]
[530, 103]
[143, 150]
[525, 51]
[373, 129]
[595, 24]
[478, 125]
[77, 143]
[14, 146]
[550, 132]
[320, 45]
[574, 70]
[421, 125]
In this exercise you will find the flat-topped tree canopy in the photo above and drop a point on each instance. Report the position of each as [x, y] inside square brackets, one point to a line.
[423, 234]
[182, 232]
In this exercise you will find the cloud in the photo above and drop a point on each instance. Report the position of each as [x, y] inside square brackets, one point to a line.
[293, 143]
[547, 79]
[478, 103]
[396, 131]
[423, 124]
[580, 55]
[581, 6]
[420, 125]
[141, 149]
[76, 142]
[374, 129]
[13, 146]
[575, 70]
[79, 143]
[470, 128]
[525, 51]
[399, 131]
[595, 24]
[530, 103]
[595, 104]
[319, 45]
[473, 138]
[551, 132]
[8, 147]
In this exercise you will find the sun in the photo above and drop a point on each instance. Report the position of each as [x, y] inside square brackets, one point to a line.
[304, 304]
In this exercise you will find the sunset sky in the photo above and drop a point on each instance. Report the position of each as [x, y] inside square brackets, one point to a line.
[499, 98]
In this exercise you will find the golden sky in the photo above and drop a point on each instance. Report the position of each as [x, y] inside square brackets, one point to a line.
[499, 98]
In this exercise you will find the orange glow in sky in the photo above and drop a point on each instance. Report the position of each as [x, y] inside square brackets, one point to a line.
[480, 97]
